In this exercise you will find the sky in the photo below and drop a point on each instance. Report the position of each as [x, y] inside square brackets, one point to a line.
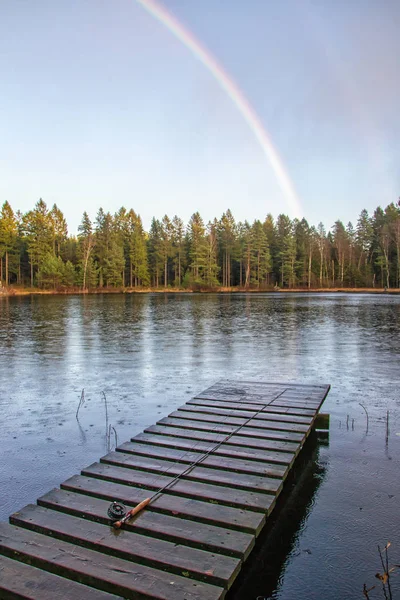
[102, 105]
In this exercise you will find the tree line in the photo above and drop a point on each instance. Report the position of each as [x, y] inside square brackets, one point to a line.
[115, 251]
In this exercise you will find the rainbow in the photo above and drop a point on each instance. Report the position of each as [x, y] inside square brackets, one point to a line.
[234, 93]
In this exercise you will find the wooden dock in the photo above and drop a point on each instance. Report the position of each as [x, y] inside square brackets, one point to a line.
[221, 460]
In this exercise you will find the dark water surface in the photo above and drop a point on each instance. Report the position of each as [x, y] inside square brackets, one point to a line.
[151, 353]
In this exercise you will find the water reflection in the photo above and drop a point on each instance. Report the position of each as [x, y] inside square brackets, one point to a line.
[280, 539]
[46, 325]
[148, 338]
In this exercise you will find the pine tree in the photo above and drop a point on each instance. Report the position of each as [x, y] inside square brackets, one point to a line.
[396, 238]
[260, 261]
[139, 272]
[114, 263]
[121, 237]
[211, 272]
[39, 234]
[381, 245]
[303, 251]
[155, 252]
[392, 217]
[197, 246]
[21, 246]
[51, 271]
[86, 244]
[351, 236]
[244, 243]
[321, 242]
[104, 246]
[340, 243]
[287, 250]
[273, 245]
[69, 275]
[178, 241]
[8, 239]
[227, 241]
[166, 238]
[59, 228]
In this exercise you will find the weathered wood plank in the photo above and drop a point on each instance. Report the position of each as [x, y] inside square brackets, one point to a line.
[252, 407]
[247, 453]
[247, 500]
[104, 572]
[19, 581]
[159, 525]
[263, 387]
[235, 440]
[263, 401]
[245, 430]
[229, 419]
[205, 566]
[291, 404]
[236, 465]
[320, 387]
[246, 414]
[242, 394]
[187, 508]
[198, 473]
[239, 400]
[245, 389]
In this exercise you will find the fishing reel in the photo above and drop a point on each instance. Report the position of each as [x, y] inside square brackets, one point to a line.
[116, 511]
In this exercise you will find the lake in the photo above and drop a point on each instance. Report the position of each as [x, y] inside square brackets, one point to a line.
[149, 353]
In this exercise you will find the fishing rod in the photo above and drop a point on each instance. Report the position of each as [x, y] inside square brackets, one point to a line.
[117, 510]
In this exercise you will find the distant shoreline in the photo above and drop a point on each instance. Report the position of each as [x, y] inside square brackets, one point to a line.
[16, 291]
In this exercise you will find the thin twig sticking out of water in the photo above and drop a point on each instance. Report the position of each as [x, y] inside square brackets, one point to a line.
[387, 427]
[385, 576]
[105, 404]
[107, 428]
[111, 429]
[366, 590]
[366, 412]
[116, 437]
[81, 402]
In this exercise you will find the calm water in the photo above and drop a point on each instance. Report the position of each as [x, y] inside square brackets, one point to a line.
[150, 353]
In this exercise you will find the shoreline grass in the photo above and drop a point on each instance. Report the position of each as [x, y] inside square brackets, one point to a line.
[21, 291]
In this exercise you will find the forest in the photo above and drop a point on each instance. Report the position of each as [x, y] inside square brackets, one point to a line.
[115, 251]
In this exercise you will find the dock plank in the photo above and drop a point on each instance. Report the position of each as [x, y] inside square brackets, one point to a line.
[246, 452]
[236, 465]
[198, 473]
[152, 552]
[247, 414]
[246, 430]
[262, 393]
[237, 421]
[101, 571]
[235, 440]
[249, 406]
[21, 581]
[224, 516]
[247, 500]
[163, 526]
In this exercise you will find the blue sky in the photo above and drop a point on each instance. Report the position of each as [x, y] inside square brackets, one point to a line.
[100, 105]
